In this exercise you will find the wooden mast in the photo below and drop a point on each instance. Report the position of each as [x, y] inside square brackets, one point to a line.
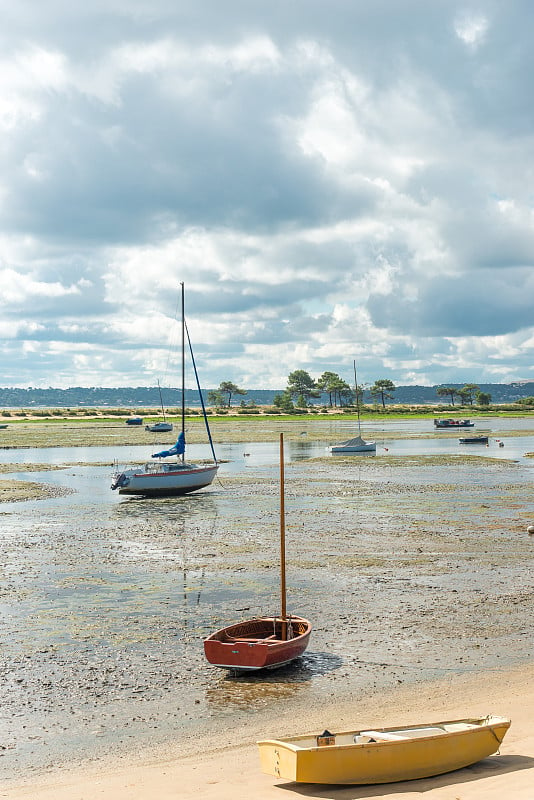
[183, 366]
[282, 542]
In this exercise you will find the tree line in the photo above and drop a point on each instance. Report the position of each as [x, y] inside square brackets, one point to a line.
[302, 389]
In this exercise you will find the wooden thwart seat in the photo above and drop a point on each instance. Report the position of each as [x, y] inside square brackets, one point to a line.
[384, 736]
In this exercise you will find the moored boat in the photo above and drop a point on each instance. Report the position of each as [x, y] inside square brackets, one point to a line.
[356, 444]
[453, 423]
[258, 643]
[162, 478]
[159, 427]
[474, 440]
[163, 426]
[383, 755]
[263, 642]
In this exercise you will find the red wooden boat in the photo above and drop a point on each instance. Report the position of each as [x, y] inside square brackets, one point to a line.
[263, 642]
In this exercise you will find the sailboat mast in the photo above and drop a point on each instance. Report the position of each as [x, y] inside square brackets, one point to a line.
[282, 542]
[183, 364]
[357, 398]
[161, 402]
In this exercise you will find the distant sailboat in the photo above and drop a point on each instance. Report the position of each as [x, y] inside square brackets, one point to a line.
[162, 478]
[160, 427]
[356, 444]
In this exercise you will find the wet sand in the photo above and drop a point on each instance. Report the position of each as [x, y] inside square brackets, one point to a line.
[228, 768]
[410, 570]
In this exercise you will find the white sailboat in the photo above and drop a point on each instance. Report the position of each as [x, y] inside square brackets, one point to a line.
[160, 477]
[357, 444]
[160, 427]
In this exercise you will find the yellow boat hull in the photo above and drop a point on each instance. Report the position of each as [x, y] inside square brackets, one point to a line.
[385, 755]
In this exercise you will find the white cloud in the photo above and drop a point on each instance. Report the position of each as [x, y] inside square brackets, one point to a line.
[471, 28]
[322, 183]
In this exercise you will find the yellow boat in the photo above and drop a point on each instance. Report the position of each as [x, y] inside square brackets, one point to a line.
[383, 755]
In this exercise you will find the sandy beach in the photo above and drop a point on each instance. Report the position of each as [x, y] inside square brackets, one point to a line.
[416, 573]
[221, 771]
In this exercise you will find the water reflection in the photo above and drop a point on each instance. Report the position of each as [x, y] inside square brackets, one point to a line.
[182, 508]
[299, 671]
[250, 691]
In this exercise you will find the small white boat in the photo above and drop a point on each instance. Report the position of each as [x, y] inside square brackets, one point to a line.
[162, 478]
[356, 444]
[159, 427]
[383, 755]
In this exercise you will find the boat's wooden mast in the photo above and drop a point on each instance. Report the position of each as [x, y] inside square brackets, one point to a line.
[183, 365]
[282, 542]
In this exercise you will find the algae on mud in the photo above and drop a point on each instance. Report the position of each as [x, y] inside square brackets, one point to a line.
[407, 570]
[410, 568]
[102, 432]
[14, 491]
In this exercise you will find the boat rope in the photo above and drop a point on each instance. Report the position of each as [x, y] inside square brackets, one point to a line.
[499, 741]
[200, 393]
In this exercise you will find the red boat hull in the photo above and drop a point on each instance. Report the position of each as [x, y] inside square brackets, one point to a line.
[257, 644]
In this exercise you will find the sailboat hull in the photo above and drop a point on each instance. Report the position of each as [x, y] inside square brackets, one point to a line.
[164, 480]
[365, 447]
[257, 644]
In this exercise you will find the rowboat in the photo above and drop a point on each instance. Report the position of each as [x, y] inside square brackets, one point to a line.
[383, 755]
[260, 643]
[263, 642]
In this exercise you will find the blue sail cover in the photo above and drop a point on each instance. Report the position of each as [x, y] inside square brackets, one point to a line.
[176, 450]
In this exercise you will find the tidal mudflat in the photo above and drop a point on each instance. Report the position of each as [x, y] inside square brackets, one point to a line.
[410, 570]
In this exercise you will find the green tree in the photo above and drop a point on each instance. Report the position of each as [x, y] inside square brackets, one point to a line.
[447, 391]
[483, 398]
[383, 388]
[215, 398]
[229, 389]
[284, 402]
[468, 392]
[335, 387]
[300, 383]
[327, 383]
[346, 394]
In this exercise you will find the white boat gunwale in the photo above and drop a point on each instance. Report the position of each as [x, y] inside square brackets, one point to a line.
[396, 734]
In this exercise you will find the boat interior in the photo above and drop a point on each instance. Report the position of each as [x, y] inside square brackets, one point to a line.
[390, 735]
[261, 630]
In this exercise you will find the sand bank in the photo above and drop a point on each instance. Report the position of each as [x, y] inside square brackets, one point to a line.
[230, 770]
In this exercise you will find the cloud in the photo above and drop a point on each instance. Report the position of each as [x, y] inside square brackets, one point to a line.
[330, 182]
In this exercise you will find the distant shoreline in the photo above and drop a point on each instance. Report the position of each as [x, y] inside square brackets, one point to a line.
[395, 410]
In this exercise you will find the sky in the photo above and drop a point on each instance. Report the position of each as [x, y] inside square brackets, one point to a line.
[332, 182]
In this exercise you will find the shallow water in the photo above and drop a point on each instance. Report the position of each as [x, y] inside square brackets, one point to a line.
[407, 572]
[393, 437]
